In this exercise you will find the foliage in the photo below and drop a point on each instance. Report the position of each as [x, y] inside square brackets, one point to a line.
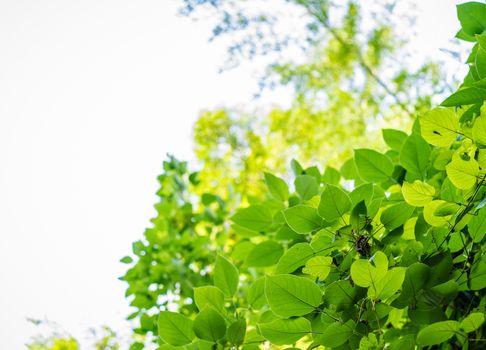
[174, 258]
[56, 342]
[102, 339]
[58, 339]
[234, 148]
[386, 252]
[105, 339]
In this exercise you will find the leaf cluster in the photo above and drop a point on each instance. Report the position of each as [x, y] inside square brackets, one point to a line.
[386, 252]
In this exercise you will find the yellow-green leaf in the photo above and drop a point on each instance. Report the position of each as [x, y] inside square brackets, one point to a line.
[439, 127]
[281, 332]
[431, 218]
[388, 285]
[437, 333]
[479, 130]
[409, 228]
[463, 173]
[318, 266]
[418, 194]
[175, 329]
[364, 274]
[290, 295]
[472, 322]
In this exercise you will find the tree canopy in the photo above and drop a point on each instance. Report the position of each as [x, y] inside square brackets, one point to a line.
[384, 247]
[353, 81]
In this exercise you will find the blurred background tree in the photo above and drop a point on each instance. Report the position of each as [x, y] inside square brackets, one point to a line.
[103, 338]
[354, 75]
[57, 338]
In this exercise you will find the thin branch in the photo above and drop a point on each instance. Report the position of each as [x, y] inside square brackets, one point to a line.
[361, 60]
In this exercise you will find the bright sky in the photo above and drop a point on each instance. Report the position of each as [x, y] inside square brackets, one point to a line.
[93, 94]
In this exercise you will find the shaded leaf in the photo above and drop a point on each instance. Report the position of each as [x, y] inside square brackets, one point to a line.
[209, 325]
[225, 276]
[175, 329]
[303, 219]
[281, 332]
[290, 295]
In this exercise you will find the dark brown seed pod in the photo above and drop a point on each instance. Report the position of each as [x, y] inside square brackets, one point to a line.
[362, 246]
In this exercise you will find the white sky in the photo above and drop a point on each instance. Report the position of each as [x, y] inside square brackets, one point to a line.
[93, 94]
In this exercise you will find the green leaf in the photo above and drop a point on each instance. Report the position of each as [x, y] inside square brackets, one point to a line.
[463, 173]
[470, 113]
[281, 332]
[236, 332]
[277, 187]
[477, 276]
[416, 278]
[394, 138]
[243, 231]
[341, 294]
[140, 346]
[295, 257]
[209, 325]
[373, 166]
[334, 203]
[241, 250]
[472, 322]
[285, 233]
[314, 172]
[349, 170]
[296, 167]
[414, 155]
[256, 293]
[441, 265]
[431, 218]
[264, 254]
[450, 193]
[126, 260]
[331, 176]
[175, 329]
[418, 194]
[479, 130]
[461, 34]
[337, 334]
[406, 342]
[306, 186]
[388, 285]
[318, 266]
[426, 314]
[303, 219]
[456, 242]
[370, 342]
[358, 218]
[364, 274]
[226, 276]
[256, 217]
[396, 215]
[437, 333]
[481, 39]
[147, 322]
[363, 192]
[445, 291]
[465, 96]
[480, 62]
[290, 295]
[208, 295]
[477, 226]
[472, 16]
[439, 127]
[446, 209]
